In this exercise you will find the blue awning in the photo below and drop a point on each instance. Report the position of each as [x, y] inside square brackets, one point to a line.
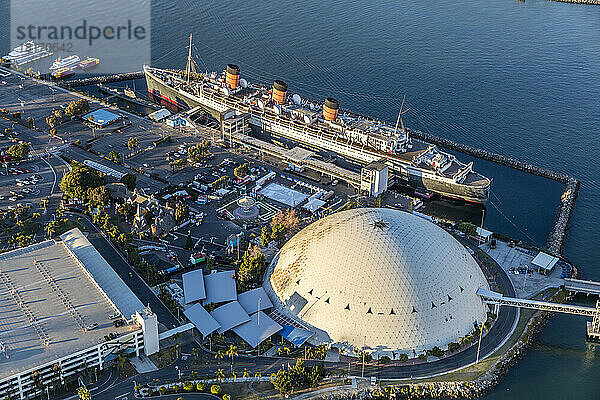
[297, 336]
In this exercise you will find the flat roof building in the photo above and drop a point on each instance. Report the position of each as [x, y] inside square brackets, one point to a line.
[101, 117]
[59, 300]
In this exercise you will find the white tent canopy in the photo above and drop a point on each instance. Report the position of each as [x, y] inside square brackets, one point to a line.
[545, 261]
[229, 315]
[257, 329]
[255, 300]
[203, 321]
[193, 286]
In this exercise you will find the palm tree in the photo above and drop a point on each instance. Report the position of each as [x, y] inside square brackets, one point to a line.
[231, 353]
[246, 374]
[220, 374]
[133, 143]
[219, 355]
[196, 353]
[121, 361]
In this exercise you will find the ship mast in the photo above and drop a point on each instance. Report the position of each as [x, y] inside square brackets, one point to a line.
[399, 120]
[190, 67]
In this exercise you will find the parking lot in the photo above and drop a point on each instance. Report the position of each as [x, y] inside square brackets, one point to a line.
[39, 99]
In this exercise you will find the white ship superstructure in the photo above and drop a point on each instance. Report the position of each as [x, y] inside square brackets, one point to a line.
[26, 53]
[71, 61]
[322, 127]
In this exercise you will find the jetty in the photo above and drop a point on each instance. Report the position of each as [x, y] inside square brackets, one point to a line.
[115, 93]
[102, 79]
[558, 233]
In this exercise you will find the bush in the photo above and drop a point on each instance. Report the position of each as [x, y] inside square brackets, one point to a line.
[226, 397]
[162, 390]
[403, 357]
[453, 346]
[467, 228]
[384, 360]
[201, 386]
[423, 357]
[437, 352]
[215, 389]
[176, 388]
[188, 386]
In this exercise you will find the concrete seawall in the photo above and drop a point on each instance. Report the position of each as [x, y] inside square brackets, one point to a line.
[558, 234]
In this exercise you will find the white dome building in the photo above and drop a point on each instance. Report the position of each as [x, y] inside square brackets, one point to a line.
[383, 277]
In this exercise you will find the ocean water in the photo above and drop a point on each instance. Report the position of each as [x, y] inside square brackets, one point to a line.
[517, 78]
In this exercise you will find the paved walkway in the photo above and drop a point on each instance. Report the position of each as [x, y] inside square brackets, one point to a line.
[143, 364]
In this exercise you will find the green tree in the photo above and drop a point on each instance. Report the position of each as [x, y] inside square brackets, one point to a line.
[133, 143]
[453, 346]
[77, 107]
[84, 394]
[76, 182]
[162, 390]
[188, 386]
[265, 236]
[403, 357]
[19, 151]
[200, 386]
[251, 267]
[216, 389]
[181, 212]
[278, 232]
[121, 362]
[231, 352]
[114, 156]
[98, 196]
[127, 210]
[178, 164]
[241, 170]
[384, 360]
[220, 182]
[198, 152]
[467, 228]
[129, 180]
[226, 397]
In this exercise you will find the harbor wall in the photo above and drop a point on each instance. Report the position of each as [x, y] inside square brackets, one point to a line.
[558, 233]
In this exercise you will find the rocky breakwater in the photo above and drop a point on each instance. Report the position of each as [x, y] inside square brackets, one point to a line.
[102, 79]
[558, 234]
[588, 2]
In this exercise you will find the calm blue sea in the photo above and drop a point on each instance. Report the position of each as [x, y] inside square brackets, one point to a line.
[517, 78]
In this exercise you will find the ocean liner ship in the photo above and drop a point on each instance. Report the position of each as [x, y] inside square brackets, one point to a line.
[325, 126]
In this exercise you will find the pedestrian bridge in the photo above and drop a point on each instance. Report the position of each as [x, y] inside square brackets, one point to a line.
[491, 297]
[581, 286]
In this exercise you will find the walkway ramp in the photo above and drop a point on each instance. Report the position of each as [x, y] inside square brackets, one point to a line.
[491, 297]
[143, 364]
[581, 286]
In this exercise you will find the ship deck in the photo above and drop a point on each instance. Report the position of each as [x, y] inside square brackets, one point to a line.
[172, 79]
